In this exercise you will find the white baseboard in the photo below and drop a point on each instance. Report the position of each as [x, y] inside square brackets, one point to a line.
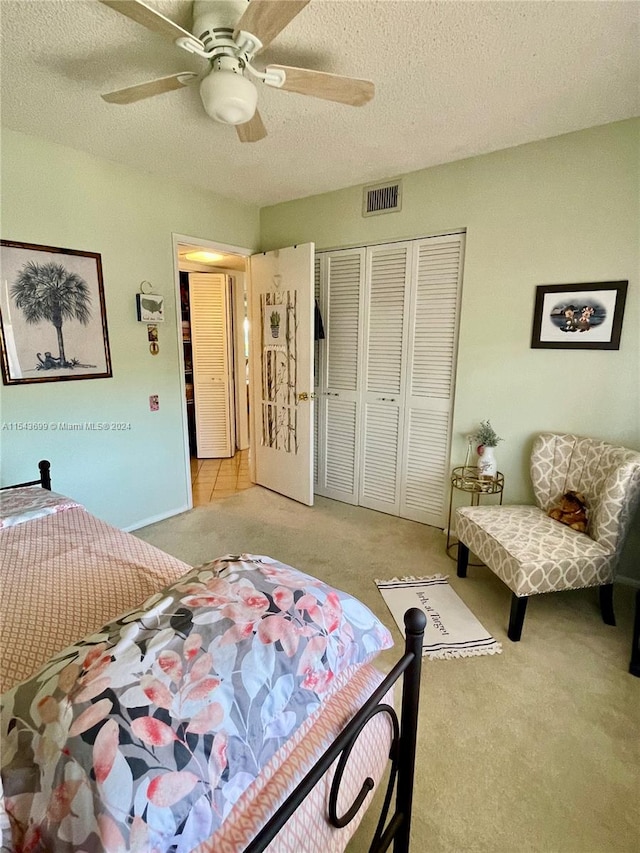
[162, 517]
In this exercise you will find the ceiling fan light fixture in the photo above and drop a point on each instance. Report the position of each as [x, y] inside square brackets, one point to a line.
[228, 97]
[204, 257]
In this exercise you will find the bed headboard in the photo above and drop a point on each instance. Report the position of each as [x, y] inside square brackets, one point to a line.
[45, 477]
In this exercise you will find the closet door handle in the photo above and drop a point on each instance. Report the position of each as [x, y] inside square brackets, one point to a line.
[386, 399]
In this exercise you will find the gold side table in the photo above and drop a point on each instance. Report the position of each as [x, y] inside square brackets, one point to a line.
[466, 478]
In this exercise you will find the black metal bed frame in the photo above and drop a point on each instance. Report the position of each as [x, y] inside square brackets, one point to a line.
[45, 478]
[402, 754]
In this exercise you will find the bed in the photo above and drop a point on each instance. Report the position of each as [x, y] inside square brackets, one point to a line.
[228, 707]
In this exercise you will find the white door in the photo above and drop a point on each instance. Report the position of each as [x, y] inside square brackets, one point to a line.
[339, 430]
[433, 334]
[211, 355]
[281, 355]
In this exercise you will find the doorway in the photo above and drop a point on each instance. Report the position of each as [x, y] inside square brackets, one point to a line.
[279, 370]
[214, 464]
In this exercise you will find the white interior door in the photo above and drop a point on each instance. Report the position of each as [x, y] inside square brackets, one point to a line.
[281, 314]
[211, 355]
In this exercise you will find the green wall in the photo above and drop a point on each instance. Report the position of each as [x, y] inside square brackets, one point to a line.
[565, 210]
[558, 211]
[56, 196]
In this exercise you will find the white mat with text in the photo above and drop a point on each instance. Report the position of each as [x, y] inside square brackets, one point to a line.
[452, 629]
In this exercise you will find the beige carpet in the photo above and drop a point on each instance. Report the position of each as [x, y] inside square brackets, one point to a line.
[536, 749]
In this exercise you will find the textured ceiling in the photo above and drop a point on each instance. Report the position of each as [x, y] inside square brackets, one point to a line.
[453, 79]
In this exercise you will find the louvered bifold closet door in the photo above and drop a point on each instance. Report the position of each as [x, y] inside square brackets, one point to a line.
[339, 433]
[388, 273]
[318, 408]
[210, 343]
[433, 333]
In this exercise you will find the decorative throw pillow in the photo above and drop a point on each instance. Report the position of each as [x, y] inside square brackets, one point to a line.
[171, 711]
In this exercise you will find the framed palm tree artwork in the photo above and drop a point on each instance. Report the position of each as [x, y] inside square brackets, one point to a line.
[53, 323]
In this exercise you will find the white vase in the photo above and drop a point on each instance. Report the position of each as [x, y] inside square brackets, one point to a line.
[487, 465]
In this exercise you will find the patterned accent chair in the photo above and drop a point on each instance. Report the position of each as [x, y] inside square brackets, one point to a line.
[533, 553]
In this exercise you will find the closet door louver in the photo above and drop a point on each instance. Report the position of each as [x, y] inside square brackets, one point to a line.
[343, 274]
[209, 308]
[318, 408]
[379, 483]
[433, 329]
[388, 274]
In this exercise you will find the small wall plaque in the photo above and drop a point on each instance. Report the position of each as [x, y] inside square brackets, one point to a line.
[150, 307]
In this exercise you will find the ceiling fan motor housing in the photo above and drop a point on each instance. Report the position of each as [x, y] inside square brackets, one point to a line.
[226, 95]
[215, 20]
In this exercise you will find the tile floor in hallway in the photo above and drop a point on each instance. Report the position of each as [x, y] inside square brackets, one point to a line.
[219, 478]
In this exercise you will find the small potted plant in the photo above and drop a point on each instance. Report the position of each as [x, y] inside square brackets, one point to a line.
[486, 439]
[275, 324]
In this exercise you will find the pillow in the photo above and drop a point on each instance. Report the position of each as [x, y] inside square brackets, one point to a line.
[147, 732]
[26, 503]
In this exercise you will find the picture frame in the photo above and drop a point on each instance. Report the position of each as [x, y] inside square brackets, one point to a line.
[579, 316]
[53, 320]
[150, 307]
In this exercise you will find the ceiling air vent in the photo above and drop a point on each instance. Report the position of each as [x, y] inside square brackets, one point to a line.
[382, 198]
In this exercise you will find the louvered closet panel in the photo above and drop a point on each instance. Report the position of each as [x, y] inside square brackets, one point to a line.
[212, 420]
[209, 311]
[344, 279]
[379, 480]
[339, 432]
[425, 466]
[388, 275]
[433, 329]
[340, 473]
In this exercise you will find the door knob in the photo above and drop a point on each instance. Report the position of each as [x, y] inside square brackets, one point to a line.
[303, 396]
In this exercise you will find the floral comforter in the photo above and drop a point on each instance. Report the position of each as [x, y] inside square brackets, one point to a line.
[143, 736]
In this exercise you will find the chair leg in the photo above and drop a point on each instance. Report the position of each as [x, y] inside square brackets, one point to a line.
[516, 618]
[634, 665]
[463, 560]
[606, 604]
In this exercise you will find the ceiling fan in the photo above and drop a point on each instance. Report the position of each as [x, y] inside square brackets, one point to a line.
[229, 34]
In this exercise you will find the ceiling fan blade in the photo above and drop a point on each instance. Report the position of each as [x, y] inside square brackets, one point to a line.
[149, 18]
[252, 130]
[148, 90]
[330, 87]
[266, 18]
